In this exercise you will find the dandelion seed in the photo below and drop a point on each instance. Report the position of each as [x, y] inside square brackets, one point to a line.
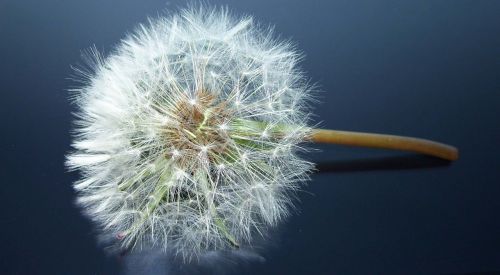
[223, 126]
[175, 153]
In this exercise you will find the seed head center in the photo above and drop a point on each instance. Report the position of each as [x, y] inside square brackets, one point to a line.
[196, 128]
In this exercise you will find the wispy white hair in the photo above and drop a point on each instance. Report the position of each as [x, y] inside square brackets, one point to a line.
[187, 135]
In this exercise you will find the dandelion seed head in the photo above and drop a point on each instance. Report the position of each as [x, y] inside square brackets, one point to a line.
[180, 134]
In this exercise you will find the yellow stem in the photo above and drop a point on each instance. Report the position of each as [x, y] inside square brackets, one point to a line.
[418, 145]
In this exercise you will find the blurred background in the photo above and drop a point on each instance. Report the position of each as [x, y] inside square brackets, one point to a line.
[418, 68]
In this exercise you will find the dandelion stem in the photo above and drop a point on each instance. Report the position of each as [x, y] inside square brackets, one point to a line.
[418, 145]
[393, 142]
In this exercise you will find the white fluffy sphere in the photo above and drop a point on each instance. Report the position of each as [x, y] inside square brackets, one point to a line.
[186, 135]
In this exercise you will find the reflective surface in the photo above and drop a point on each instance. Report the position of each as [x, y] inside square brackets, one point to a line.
[426, 70]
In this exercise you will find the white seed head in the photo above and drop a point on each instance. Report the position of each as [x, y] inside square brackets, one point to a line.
[187, 134]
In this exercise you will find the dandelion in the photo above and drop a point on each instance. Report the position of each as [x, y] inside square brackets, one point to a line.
[178, 131]
[187, 135]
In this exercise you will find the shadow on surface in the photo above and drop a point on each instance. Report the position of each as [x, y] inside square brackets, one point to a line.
[383, 163]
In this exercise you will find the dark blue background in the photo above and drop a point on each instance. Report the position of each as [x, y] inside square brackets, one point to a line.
[420, 68]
